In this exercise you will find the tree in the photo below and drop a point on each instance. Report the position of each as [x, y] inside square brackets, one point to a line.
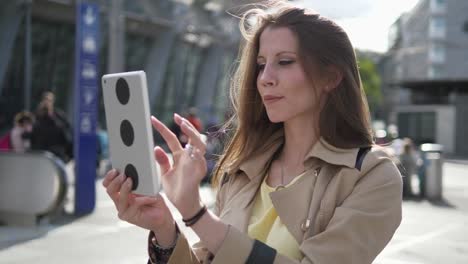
[371, 83]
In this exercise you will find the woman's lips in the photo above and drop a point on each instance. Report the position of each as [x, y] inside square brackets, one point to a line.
[269, 99]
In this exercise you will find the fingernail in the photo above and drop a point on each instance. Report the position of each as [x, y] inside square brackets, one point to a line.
[177, 118]
[129, 182]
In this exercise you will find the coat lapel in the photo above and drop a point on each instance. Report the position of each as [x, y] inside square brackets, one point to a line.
[292, 203]
[238, 209]
[298, 202]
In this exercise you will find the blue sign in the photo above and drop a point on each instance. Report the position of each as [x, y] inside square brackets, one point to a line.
[86, 104]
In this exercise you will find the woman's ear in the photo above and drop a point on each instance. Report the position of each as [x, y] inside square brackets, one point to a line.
[334, 78]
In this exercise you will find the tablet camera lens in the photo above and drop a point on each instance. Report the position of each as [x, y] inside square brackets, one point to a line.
[126, 133]
[122, 91]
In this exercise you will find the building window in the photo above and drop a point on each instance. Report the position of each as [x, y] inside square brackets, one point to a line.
[438, 6]
[434, 72]
[437, 27]
[437, 53]
[399, 72]
[465, 27]
[419, 126]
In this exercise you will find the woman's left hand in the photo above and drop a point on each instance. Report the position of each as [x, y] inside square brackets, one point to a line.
[182, 179]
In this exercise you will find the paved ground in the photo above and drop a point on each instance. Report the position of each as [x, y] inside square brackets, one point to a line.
[430, 233]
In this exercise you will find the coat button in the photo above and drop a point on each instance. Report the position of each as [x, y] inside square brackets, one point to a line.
[305, 225]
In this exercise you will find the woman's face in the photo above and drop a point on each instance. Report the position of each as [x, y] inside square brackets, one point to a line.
[286, 92]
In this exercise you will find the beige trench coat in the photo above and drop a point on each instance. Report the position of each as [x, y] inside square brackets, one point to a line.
[344, 210]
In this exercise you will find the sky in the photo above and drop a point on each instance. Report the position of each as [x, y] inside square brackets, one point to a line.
[366, 21]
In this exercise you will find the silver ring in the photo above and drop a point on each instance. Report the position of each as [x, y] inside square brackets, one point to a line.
[190, 151]
[188, 147]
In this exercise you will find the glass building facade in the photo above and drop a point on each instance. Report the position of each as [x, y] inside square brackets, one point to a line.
[200, 48]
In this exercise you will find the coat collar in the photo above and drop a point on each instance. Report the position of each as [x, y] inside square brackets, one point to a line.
[331, 154]
[321, 150]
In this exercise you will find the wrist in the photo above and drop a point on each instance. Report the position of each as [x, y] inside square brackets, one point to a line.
[195, 218]
[190, 210]
[166, 236]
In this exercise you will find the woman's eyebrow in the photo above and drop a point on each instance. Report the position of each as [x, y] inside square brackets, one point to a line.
[286, 52]
[279, 53]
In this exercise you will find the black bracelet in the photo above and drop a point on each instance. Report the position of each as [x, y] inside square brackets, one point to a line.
[193, 220]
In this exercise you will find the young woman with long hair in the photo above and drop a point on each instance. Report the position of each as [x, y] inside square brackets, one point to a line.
[300, 181]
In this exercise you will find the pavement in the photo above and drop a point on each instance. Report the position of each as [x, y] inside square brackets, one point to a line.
[431, 233]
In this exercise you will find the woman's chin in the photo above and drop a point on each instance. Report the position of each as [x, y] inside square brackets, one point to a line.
[275, 118]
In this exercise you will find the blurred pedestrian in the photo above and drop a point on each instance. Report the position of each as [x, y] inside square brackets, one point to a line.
[408, 162]
[301, 180]
[52, 131]
[421, 171]
[21, 132]
[18, 138]
[103, 161]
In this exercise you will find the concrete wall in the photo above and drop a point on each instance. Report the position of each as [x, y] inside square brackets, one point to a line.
[457, 40]
[445, 122]
[461, 148]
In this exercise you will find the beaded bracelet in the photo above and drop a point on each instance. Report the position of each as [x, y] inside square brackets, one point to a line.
[164, 252]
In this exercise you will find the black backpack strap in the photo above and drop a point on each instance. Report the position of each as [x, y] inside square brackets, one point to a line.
[360, 157]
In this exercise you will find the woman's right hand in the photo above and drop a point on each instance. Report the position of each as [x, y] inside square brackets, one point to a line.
[149, 212]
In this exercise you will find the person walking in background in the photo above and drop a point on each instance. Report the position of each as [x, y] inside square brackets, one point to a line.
[52, 131]
[18, 139]
[408, 162]
[300, 181]
[21, 132]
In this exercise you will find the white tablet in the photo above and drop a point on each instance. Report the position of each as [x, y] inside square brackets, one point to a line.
[129, 127]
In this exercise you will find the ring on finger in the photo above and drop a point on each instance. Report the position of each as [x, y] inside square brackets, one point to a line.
[189, 149]
[192, 151]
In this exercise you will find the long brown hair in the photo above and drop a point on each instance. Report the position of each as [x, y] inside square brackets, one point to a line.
[344, 119]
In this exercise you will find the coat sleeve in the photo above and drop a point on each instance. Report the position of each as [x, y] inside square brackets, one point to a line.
[197, 254]
[358, 230]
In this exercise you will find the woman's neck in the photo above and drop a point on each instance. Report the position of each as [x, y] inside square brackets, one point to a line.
[300, 135]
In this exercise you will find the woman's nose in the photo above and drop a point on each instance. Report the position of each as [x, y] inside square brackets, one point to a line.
[267, 76]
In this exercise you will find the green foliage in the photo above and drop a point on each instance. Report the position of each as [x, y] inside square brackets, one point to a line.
[371, 82]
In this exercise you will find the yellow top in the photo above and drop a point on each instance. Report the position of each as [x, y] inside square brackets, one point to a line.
[266, 226]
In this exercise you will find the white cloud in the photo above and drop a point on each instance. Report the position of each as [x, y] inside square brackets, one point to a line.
[366, 21]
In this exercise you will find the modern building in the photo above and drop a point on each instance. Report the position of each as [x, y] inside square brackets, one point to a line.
[187, 48]
[425, 74]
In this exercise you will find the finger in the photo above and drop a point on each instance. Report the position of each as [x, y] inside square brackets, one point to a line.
[124, 193]
[194, 137]
[166, 133]
[109, 177]
[197, 155]
[178, 119]
[115, 185]
[162, 159]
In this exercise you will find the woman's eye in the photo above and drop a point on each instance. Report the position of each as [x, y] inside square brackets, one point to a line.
[260, 67]
[285, 62]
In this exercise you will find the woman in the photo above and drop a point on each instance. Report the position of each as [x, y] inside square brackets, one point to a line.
[21, 132]
[300, 180]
